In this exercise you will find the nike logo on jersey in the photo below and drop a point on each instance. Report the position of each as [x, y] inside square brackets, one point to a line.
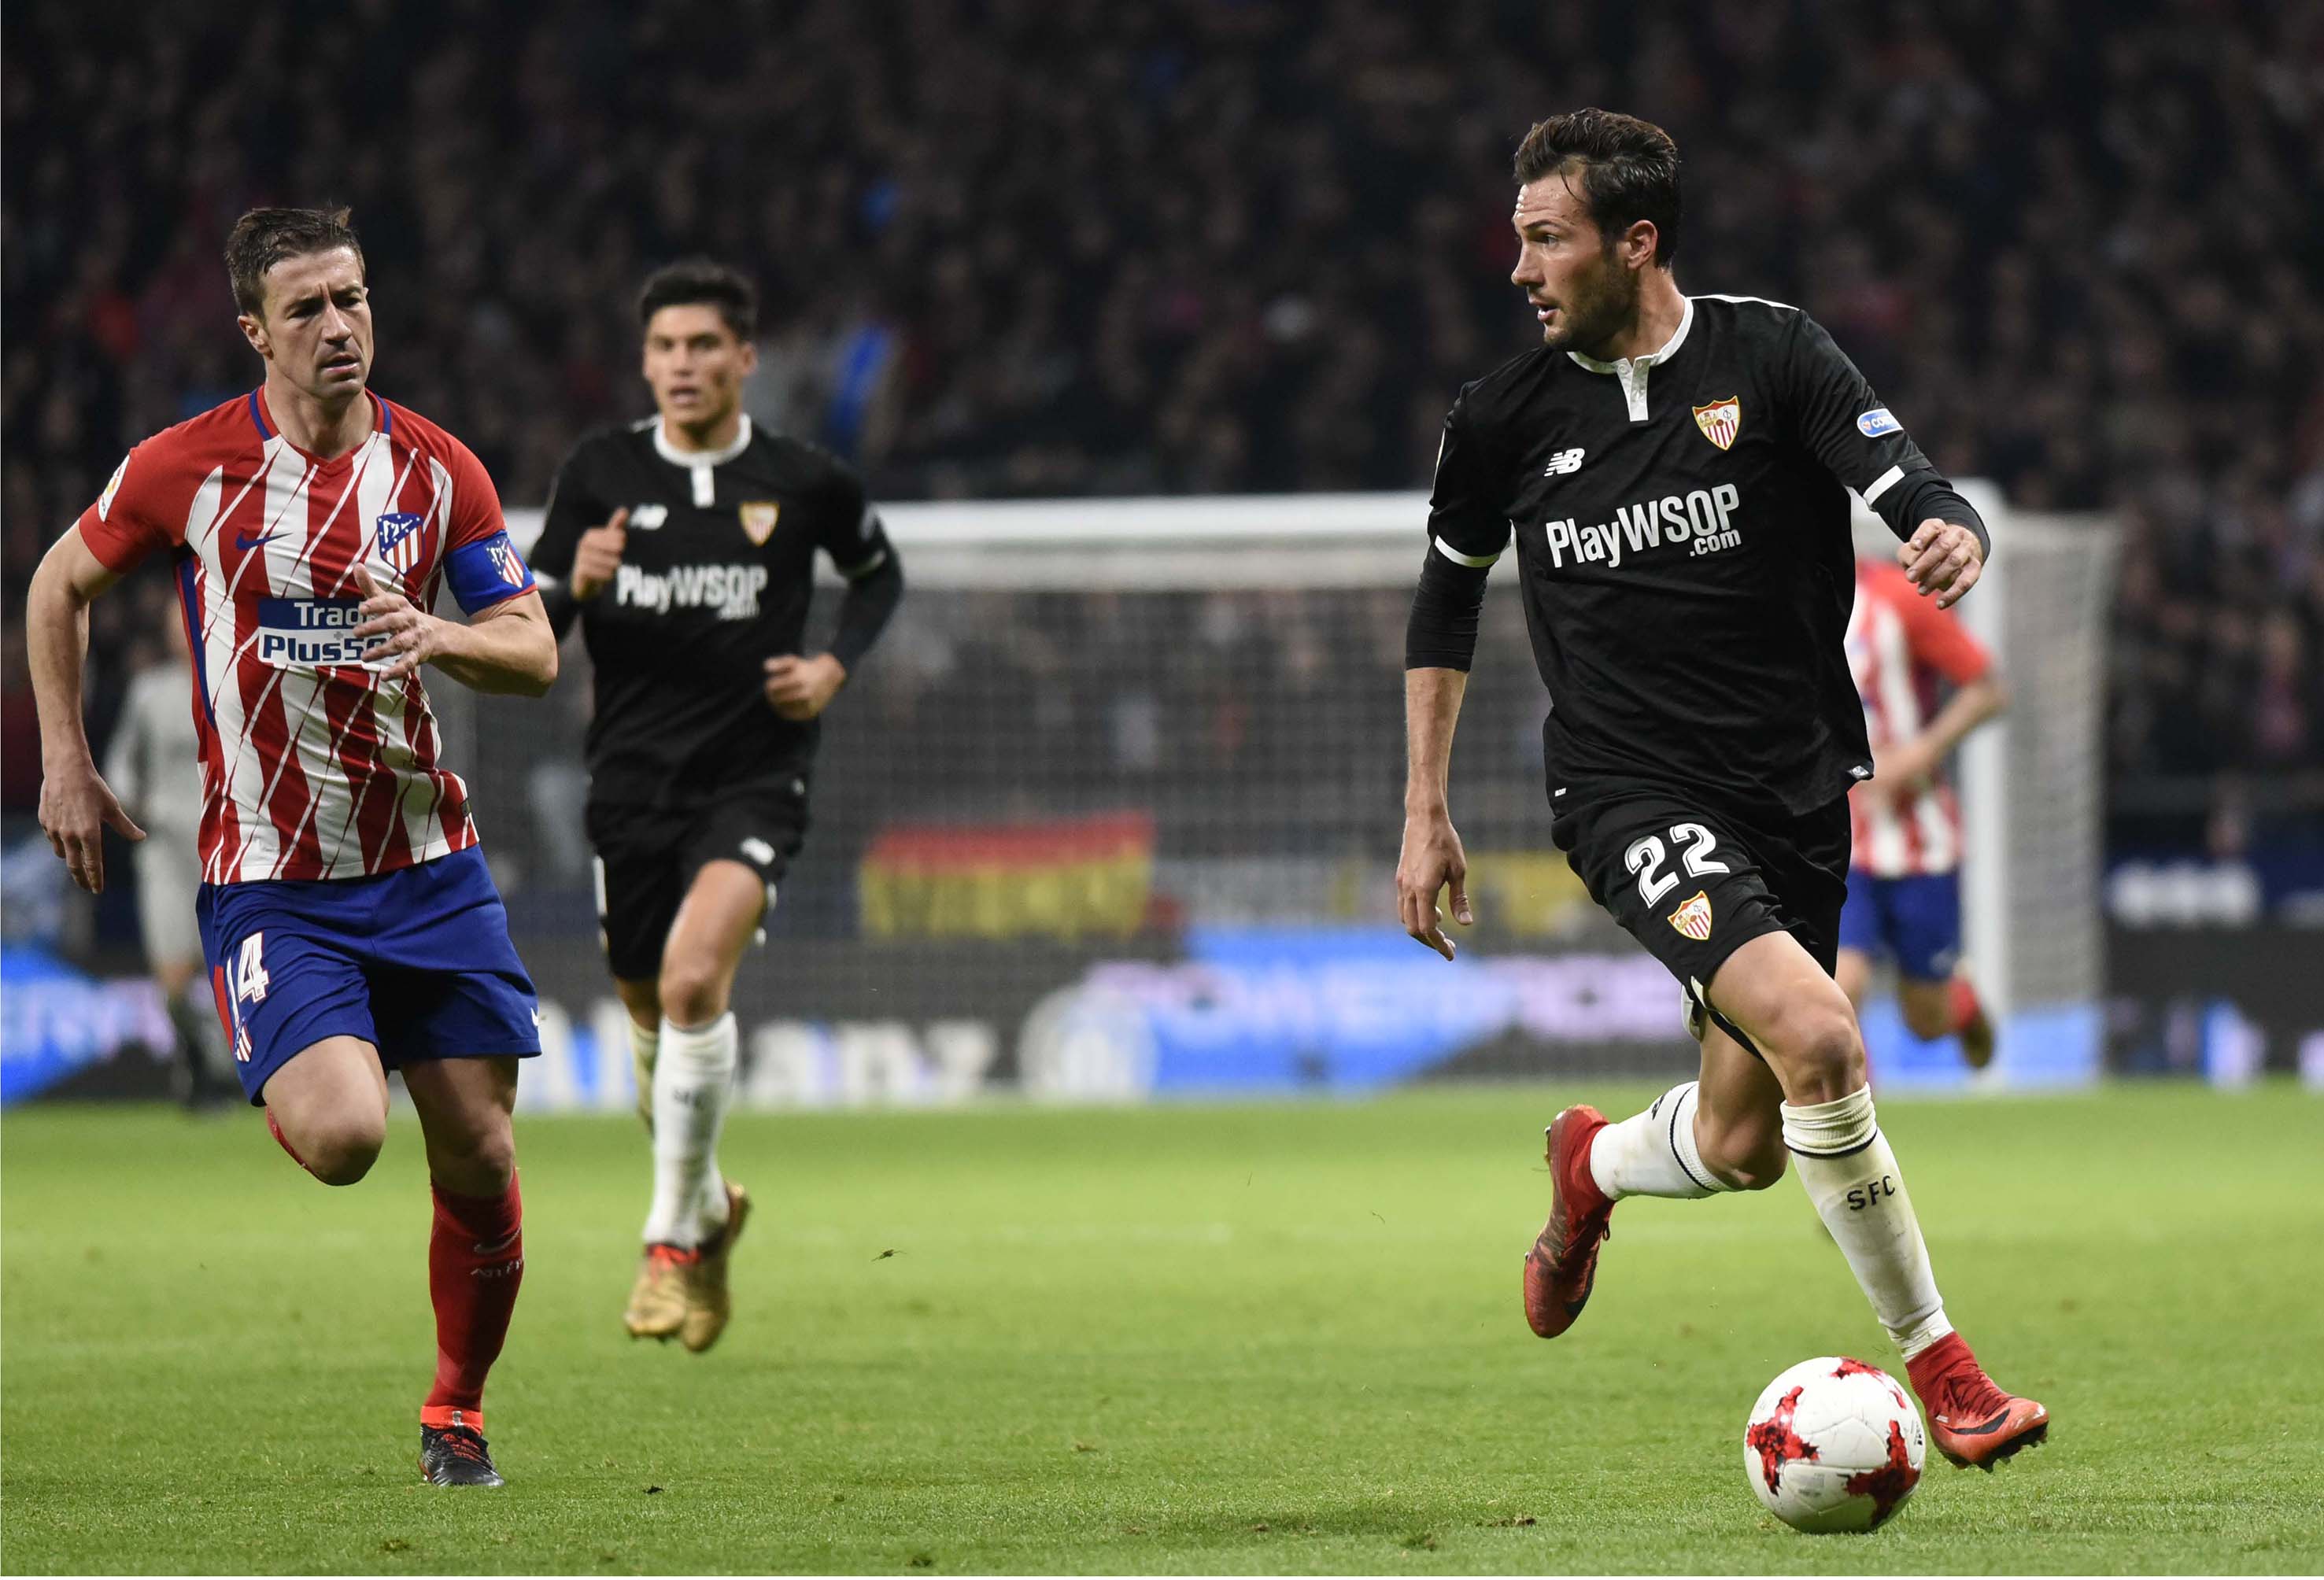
[1700, 518]
[245, 543]
[1564, 463]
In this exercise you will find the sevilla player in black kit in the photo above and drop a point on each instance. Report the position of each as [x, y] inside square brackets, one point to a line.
[1676, 471]
[685, 544]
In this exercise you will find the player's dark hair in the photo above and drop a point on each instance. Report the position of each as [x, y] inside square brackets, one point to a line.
[702, 283]
[263, 237]
[1629, 170]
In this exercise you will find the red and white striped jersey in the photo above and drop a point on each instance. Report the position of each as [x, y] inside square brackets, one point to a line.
[1899, 644]
[312, 766]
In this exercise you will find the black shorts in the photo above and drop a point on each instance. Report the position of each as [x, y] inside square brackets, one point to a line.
[1694, 882]
[647, 859]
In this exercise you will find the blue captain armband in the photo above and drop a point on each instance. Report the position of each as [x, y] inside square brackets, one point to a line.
[487, 572]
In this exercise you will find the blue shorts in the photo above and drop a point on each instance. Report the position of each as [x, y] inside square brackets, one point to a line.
[416, 962]
[1917, 919]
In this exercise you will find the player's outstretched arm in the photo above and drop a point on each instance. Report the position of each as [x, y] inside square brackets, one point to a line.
[507, 648]
[76, 804]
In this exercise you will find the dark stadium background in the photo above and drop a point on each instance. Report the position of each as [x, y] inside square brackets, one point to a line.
[1027, 250]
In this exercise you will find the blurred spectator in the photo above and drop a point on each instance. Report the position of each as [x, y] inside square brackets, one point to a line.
[1074, 247]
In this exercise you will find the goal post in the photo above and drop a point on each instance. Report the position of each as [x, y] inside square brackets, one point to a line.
[1113, 810]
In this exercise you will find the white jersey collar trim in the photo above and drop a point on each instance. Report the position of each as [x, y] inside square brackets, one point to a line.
[677, 457]
[1632, 371]
[1661, 353]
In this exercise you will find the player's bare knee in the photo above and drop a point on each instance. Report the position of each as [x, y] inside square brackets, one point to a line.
[341, 1150]
[1819, 1051]
[692, 996]
[488, 1161]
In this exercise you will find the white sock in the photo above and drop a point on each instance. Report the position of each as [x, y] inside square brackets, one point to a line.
[1653, 1153]
[693, 1083]
[645, 1043]
[1852, 1177]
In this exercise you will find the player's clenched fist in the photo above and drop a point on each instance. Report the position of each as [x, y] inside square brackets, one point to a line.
[799, 688]
[1943, 558]
[599, 555]
[1433, 858]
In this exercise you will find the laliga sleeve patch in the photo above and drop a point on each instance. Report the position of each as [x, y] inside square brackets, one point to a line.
[1876, 422]
[105, 499]
[487, 572]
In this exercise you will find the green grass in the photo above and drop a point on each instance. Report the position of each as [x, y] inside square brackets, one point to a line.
[1279, 1338]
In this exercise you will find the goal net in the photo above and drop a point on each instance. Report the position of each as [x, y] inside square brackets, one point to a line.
[1114, 807]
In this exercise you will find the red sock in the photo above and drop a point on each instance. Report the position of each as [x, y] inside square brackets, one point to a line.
[475, 1260]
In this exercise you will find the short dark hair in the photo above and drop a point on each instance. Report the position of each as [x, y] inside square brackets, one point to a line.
[704, 282]
[263, 237]
[1629, 170]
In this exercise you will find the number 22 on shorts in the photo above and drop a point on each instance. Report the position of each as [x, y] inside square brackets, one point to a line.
[1645, 857]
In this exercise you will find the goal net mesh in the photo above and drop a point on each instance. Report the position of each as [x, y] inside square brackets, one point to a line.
[1115, 805]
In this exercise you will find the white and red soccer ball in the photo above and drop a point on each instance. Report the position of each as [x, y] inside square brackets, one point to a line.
[1834, 1444]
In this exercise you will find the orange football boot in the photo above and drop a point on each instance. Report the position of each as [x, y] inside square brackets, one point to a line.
[1970, 1419]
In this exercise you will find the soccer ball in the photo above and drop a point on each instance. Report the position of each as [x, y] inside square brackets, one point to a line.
[1834, 1444]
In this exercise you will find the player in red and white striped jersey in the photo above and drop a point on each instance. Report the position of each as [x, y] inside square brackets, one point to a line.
[1904, 888]
[348, 920]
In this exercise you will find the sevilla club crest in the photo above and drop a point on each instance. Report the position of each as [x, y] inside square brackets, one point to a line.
[759, 518]
[1720, 420]
[1693, 917]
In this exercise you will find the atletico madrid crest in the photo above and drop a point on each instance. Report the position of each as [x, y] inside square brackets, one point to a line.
[1693, 917]
[1720, 420]
[759, 518]
[398, 540]
[504, 562]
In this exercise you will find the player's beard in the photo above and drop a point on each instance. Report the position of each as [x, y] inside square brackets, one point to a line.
[1593, 314]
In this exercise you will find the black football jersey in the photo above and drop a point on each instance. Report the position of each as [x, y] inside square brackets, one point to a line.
[1681, 522]
[715, 578]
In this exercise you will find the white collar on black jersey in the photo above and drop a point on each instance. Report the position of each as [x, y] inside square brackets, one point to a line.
[1632, 370]
[677, 457]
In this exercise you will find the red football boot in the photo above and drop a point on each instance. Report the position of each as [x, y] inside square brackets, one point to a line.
[1970, 1023]
[1970, 1419]
[1563, 1262]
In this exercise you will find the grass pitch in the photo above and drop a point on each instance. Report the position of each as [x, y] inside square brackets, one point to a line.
[1281, 1338]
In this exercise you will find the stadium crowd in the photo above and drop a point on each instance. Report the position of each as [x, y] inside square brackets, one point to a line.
[1019, 248]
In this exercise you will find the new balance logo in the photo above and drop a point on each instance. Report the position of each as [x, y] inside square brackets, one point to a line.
[1562, 463]
[646, 517]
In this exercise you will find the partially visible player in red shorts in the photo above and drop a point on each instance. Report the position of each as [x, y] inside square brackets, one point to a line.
[346, 915]
[1903, 876]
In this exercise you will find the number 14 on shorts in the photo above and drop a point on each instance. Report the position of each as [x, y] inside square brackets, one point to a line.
[246, 978]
